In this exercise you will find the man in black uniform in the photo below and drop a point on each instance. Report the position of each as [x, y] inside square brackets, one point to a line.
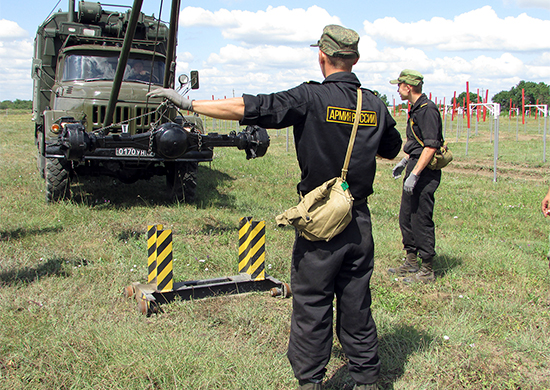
[322, 115]
[424, 137]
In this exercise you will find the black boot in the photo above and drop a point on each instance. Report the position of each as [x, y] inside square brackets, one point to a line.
[425, 274]
[409, 267]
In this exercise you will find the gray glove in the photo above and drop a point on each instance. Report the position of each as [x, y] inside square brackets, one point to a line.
[173, 96]
[396, 172]
[409, 184]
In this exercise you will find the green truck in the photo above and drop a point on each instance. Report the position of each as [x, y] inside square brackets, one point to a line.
[92, 70]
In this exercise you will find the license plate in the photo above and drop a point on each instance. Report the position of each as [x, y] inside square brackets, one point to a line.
[132, 152]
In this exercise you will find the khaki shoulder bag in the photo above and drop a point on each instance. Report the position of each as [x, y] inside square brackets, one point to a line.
[325, 211]
[442, 157]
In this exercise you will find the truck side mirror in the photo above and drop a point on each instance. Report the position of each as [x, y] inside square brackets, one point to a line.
[194, 79]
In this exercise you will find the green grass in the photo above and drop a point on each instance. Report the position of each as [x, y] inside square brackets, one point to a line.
[65, 324]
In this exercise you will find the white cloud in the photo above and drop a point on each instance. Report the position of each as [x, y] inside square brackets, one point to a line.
[537, 72]
[444, 75]
[182, 62]
[533, 3]
[542, 60]
[260, 69]
[11, 30]
[274, 25]
[260, 63]
[480, 29]
[228, 84]
[263, 57]
[15, 69]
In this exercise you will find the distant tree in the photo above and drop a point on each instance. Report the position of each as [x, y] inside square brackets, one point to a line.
[532, 90]
[462, 98]
[384, 98]
[22, 104]
[17, 104]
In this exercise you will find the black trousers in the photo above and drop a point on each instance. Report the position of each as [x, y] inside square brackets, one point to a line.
[416, 213]
[340, 268]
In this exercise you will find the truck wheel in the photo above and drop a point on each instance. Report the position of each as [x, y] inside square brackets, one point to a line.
[57, 175]
[181, 179]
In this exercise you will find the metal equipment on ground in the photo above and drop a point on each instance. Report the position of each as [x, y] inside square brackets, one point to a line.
[160, 287]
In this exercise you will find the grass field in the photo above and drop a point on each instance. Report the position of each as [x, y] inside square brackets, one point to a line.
[64, 323]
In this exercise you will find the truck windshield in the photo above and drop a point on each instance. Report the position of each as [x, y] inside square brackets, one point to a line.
[102, 67]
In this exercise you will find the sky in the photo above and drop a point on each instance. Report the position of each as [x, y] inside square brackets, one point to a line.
[262, 46]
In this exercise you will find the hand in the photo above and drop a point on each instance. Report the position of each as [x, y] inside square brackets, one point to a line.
[409, 184]
[396, 172]
[173, 96]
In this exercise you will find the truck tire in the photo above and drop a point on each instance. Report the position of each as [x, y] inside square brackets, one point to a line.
[181, 178]
[57, 175]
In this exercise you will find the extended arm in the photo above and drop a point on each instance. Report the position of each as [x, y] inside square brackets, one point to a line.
[231, 109]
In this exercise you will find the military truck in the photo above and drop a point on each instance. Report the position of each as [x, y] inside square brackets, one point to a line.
[92, 70]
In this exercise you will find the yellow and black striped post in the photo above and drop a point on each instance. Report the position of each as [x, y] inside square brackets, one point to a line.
[152, 231]
[252, 248]
[165, 276]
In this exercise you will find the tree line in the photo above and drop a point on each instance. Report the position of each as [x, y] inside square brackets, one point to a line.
[17, 104]
[534, 94]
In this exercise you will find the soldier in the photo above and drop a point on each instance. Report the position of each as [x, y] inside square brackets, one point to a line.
[343, 266]
[424, 137]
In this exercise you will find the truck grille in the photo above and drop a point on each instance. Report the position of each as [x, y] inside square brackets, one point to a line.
[132, 115]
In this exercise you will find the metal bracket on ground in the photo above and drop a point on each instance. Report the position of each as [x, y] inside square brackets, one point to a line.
[161, 289]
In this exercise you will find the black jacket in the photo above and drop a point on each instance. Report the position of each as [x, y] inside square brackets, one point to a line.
[322, 116]
[425, 119]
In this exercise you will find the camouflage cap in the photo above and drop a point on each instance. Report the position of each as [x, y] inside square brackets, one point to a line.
[409, 76]
[338, 41]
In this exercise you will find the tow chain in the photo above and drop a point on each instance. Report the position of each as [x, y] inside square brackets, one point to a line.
[101, 130]
[150, 149]
[153, 126]
[199, 141]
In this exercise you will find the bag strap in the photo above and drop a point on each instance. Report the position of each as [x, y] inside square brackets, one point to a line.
[353, 133]
[415, 136]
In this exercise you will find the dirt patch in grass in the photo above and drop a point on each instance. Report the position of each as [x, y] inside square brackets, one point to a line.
[485, 168]
[484, 365]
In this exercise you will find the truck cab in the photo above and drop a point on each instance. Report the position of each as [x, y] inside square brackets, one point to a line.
[76, 56]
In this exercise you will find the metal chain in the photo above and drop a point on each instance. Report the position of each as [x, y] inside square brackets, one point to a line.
[128, 120]
[199, 141]
[150, 149]
[153, 127]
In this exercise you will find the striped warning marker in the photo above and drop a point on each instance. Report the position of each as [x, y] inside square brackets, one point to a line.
[165, 276]
[252, 248]
[152, 252]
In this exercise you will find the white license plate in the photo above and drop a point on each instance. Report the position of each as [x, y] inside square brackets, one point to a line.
[132, 152]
